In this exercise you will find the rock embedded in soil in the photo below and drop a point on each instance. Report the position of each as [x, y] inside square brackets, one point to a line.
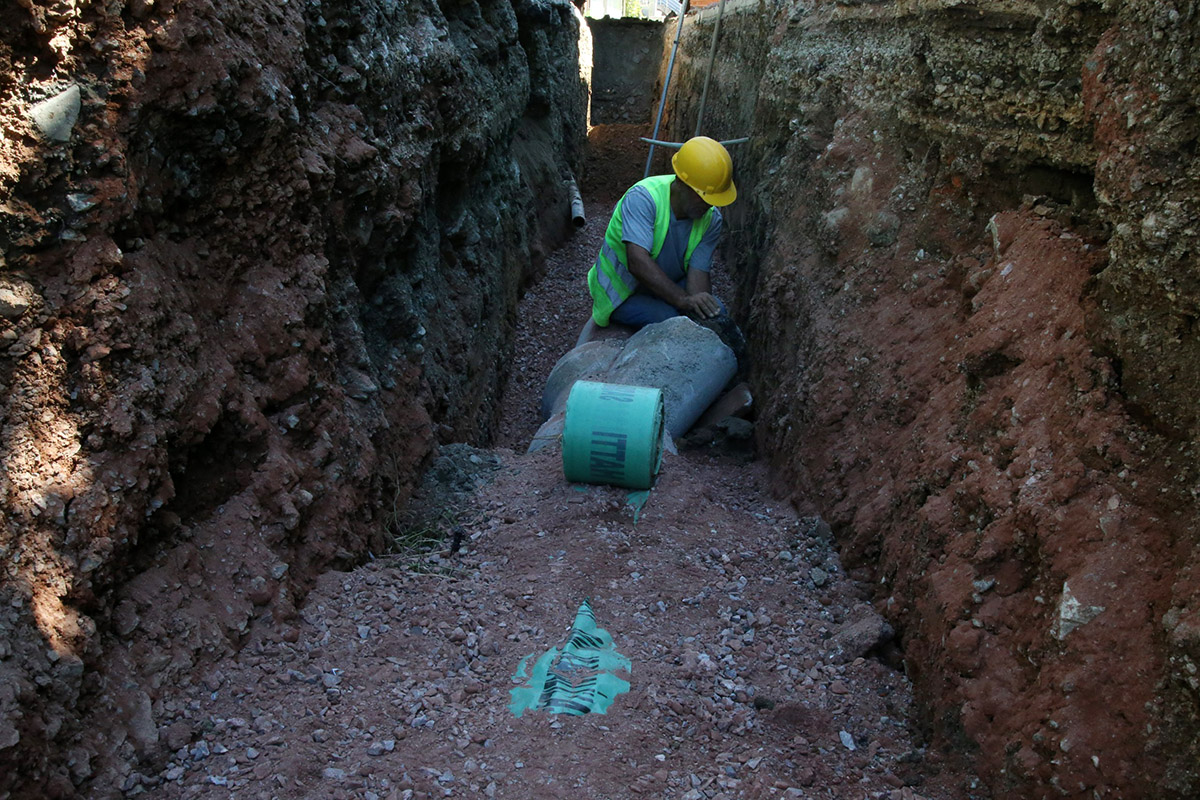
[867, 632]
[12, 303]
[55, 116]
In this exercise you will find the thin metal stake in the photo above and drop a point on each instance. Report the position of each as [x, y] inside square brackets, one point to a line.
[667, 83]
[712, 57]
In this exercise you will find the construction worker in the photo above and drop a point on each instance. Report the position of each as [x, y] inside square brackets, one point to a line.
[657, 251]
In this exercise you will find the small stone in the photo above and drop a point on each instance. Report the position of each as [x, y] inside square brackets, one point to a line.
[80, 202]
[260, 592]
[12, 305]
[847, 740]
[79, 760]
[177, 735]
[55, 117]
[883, 229]
[359, 385]
[832, 224]
[334, 773]
[859, 637]
[818, 576]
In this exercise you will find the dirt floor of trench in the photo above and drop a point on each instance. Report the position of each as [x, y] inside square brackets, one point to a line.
[733, 610]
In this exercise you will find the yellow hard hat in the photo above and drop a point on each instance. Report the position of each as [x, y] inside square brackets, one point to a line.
[704, 164]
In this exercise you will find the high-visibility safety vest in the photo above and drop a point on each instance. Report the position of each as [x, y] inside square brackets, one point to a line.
[609, 279]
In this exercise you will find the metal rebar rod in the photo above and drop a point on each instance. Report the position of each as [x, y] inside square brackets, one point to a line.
[666, 83]
[677, 145]
[661, 143]
[712, 58]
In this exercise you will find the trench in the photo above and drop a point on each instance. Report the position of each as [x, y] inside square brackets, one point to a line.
[757, 665]
[250, 329]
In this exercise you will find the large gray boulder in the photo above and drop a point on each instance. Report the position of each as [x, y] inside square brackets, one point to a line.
[688, 362]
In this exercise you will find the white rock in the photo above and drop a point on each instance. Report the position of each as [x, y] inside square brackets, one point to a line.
[1072, 613]
[55, 117]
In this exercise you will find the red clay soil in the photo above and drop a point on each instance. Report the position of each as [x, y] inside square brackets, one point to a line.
[749, 678]
[952, 419]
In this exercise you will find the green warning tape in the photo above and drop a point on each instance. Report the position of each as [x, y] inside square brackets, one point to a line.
[638, 501]
[577, 679]
[613, 434]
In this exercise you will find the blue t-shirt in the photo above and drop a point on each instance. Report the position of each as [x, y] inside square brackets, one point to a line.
[638, 214]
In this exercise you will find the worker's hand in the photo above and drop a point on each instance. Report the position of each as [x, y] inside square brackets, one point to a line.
[702, 306]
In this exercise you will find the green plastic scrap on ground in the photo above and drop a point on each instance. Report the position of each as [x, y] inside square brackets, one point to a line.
[579, 678]
[638, 501]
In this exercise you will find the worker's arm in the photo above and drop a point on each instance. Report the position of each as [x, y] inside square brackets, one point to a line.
[699, 282]
[695, 300]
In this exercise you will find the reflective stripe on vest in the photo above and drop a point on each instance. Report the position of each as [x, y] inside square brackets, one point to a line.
[609, 279]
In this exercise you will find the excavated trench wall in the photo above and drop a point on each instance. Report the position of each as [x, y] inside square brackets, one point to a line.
[966, 251]
[625, 58]
[262, 257]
